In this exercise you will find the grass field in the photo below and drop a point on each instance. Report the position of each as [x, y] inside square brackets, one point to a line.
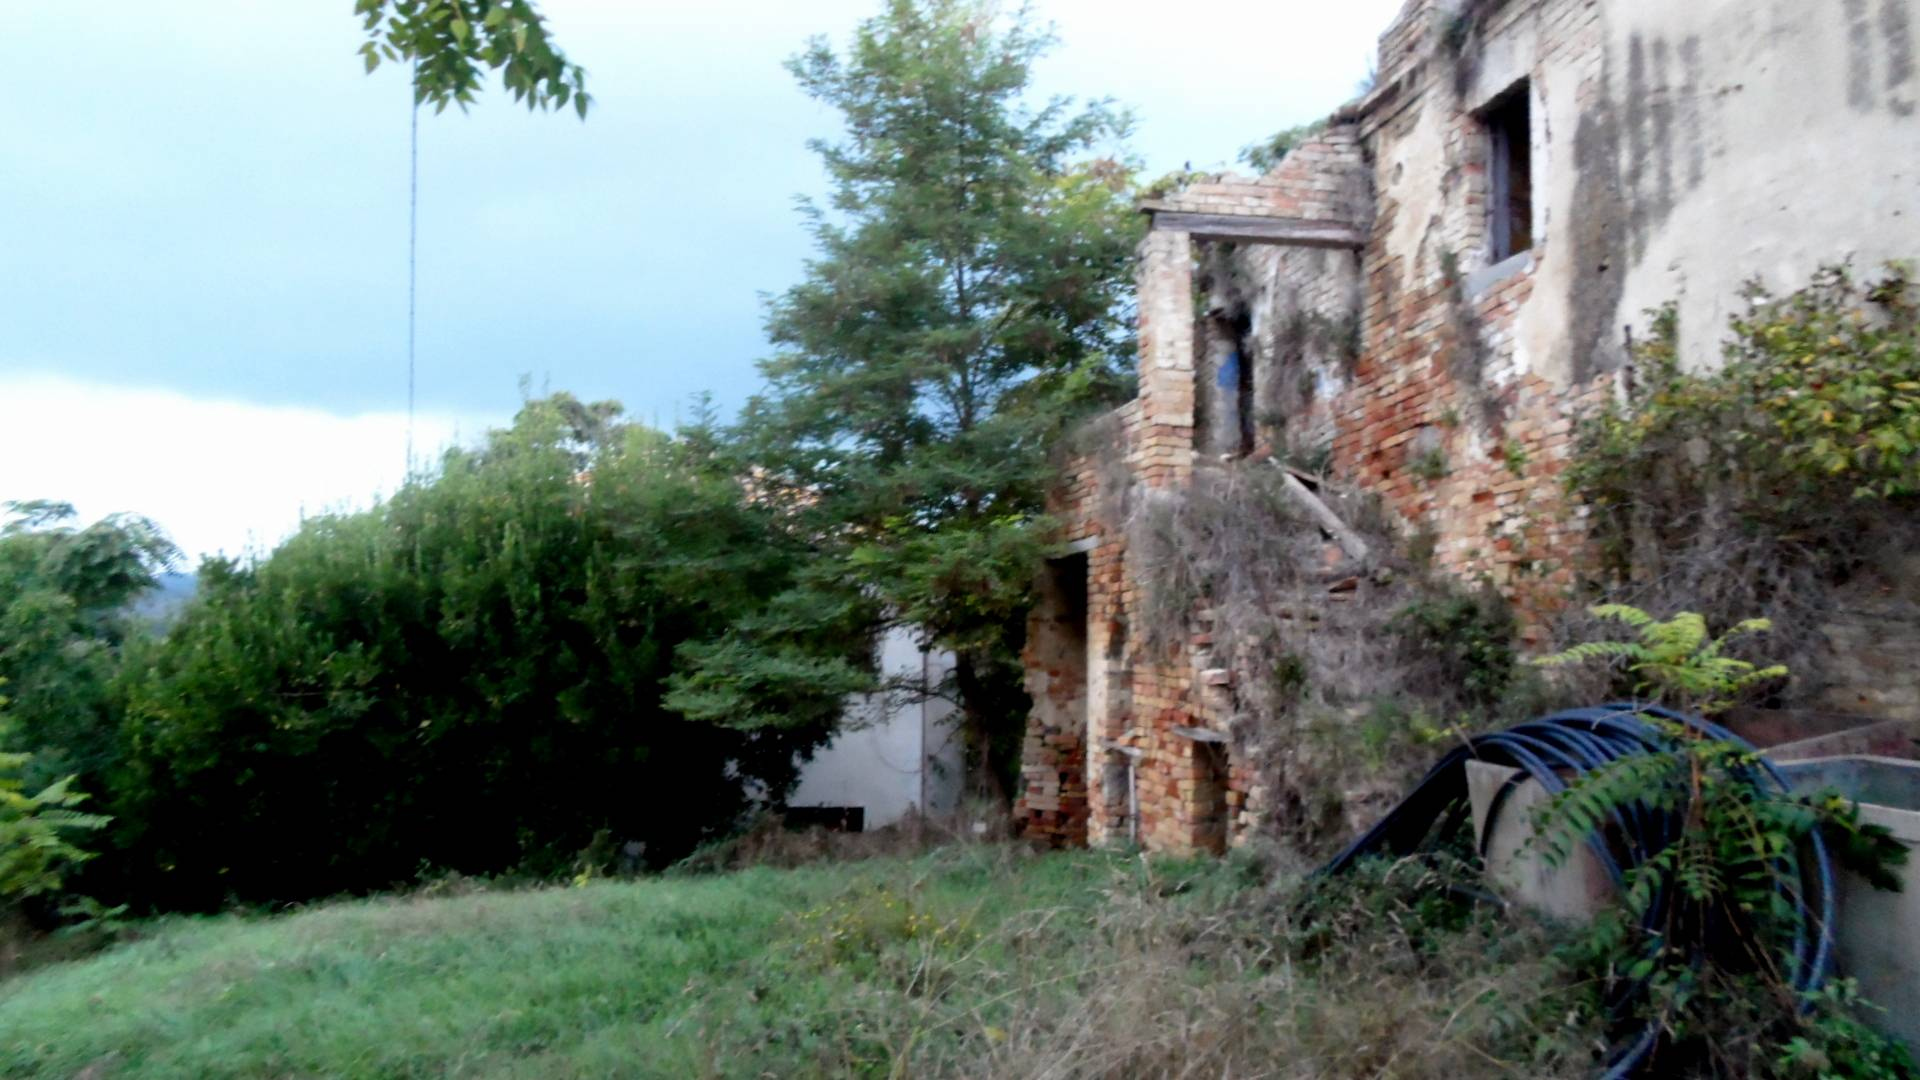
[969, 961]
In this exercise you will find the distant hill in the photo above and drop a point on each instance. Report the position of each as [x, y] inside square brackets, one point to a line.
[170, 593]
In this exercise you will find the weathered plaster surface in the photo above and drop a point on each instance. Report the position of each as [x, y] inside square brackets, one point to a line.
[1762, 138]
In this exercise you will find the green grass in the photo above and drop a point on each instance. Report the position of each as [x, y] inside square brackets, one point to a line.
[968, 961]
[758, 969]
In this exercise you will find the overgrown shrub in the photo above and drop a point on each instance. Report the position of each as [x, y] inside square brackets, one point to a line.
[1344, 673]
[1471, 634]
[1755, 488]
[475, 676]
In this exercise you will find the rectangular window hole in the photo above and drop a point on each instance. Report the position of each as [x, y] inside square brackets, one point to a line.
[1509, 130]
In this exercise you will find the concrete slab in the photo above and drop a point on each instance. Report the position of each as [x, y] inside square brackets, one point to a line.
[1576, 890]
[1877, 939]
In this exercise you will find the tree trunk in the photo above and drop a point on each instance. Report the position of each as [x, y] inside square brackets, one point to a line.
[993, 709]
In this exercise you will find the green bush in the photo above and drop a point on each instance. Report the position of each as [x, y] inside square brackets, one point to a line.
[1471, 634]
[473, 676]
[1754, 487]
[1819, 396]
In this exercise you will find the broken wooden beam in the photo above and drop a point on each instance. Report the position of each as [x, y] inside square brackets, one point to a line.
[1343, 534]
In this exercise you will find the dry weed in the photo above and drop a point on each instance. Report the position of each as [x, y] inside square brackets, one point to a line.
[1389, 977]
[768, 841]
[1332, 698]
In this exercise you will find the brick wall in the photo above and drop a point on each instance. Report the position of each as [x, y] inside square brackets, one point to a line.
[1422, 370]
[1145, 753]
[1388, 362]
[1446, 418]
[1321, 179]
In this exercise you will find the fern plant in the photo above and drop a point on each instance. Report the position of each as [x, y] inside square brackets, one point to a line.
[1704, 922]
[1675, 660]
[37, 830]
[1708, 909]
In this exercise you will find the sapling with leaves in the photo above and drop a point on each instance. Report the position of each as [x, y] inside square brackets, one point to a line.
[1707, 913]
[70, 616]
[966, 302]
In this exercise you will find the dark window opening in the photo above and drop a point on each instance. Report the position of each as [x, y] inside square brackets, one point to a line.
[1243, 379]
[1070, 585]
[831, 818]
[1214, 825]
[1230, 401]
[1509, 173]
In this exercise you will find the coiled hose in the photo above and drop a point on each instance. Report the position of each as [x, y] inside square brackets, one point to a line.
[1563, 745]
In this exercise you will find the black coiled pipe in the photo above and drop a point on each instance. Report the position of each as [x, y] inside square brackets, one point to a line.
[1567, 744]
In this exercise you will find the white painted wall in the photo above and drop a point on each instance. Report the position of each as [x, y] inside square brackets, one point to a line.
[893, 755]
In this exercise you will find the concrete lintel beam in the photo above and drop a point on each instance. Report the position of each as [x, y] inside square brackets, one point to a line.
[1257, 229]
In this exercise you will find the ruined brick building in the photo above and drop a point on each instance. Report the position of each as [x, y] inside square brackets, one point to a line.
[1444, 275]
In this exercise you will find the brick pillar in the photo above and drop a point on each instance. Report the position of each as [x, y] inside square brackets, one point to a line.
[1163, 455]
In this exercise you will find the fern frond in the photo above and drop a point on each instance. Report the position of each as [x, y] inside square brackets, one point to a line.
[1625, 613]
[1589, 650]
[1683, 634]
[1777, 671]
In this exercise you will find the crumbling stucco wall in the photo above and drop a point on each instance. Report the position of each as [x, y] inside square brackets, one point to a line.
[1760, 138]
[1678, 150]
[1301, 311]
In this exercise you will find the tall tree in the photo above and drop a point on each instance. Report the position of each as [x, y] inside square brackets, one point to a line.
[67, 598]
[967, 297]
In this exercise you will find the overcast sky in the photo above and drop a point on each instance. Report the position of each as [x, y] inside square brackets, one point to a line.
[203, 214]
